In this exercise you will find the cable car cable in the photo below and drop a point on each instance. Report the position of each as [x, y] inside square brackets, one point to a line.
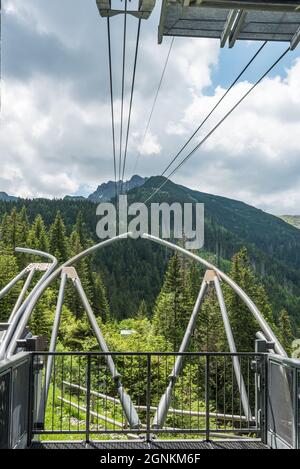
[112, 104]
[216, 106]
[123, 87]
[131, 99]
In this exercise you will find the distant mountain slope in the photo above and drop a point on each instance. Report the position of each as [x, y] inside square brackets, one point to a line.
[8, 198]
[292, 220]
[106, 191]
[74, 197]
[267, 232]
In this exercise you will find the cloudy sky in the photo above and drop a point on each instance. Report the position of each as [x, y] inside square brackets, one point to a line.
[55, 124]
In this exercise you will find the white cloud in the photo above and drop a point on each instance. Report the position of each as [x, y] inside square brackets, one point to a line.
[254, 155]
[150, 146]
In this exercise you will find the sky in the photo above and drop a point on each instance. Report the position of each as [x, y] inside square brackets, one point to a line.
[55, 136]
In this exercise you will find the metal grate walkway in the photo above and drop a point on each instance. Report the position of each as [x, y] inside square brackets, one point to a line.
[158, 445]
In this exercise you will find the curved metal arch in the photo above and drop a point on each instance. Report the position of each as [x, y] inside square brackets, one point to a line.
[8, 348]
[10, 345]
[17, 316]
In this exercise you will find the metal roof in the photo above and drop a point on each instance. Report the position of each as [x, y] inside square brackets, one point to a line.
[233, 20]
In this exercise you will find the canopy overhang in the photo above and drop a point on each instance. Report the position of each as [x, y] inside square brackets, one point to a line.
[232, 20]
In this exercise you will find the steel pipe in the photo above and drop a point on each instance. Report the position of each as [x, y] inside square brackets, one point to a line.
[54, 334]
[127, 405]
[12, 283]
[22, 294]
[232, 348]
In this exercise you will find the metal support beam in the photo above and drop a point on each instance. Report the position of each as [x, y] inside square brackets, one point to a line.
[165, 401]
[231, 18]
[232, 348]
[295, 40]
[22, 294]
[53, 340]
[237, 27]
[127, 405]
[258, 5]
[13, 282]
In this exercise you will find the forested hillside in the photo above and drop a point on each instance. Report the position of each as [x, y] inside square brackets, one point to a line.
[132, 271]
[159, 328]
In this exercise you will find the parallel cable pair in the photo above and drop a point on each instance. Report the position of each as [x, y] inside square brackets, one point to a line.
[121, 166]
[190, 154]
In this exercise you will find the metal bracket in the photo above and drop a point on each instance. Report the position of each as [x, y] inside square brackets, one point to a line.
[231, 18]
[210, 276]
[295, 40]
[39, 267]
[144, 11]
[237, 27]
[70, 272]
[33, 344]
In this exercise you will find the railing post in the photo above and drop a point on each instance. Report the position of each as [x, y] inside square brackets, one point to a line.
[88, 399]
[148, 404]
[265, 385]
[31, 396]
[207, 407]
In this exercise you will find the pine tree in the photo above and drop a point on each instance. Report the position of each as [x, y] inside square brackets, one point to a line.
[13, 232]
[57, 239]
[37, 236]
[72, 298]
[143, 310]
[286, 336]
[244, 325]
[174, 304]
[41, 321]
[209, 331]
[81, 229]
[23, 227]
[8, 270]
[101, 305]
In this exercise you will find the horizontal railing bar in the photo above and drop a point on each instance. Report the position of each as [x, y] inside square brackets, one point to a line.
[154, 354]
[142, 432]
[216, 431]
[94, 414]
[191, 413]
[108, 419]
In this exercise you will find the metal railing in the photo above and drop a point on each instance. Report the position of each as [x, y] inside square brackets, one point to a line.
[283, 423]
[204, 399]
[14, 399]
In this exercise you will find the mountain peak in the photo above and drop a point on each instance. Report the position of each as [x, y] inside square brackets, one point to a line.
[106, 191]
[7, 198]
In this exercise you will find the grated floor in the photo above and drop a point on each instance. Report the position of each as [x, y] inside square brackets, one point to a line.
[154, 445]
